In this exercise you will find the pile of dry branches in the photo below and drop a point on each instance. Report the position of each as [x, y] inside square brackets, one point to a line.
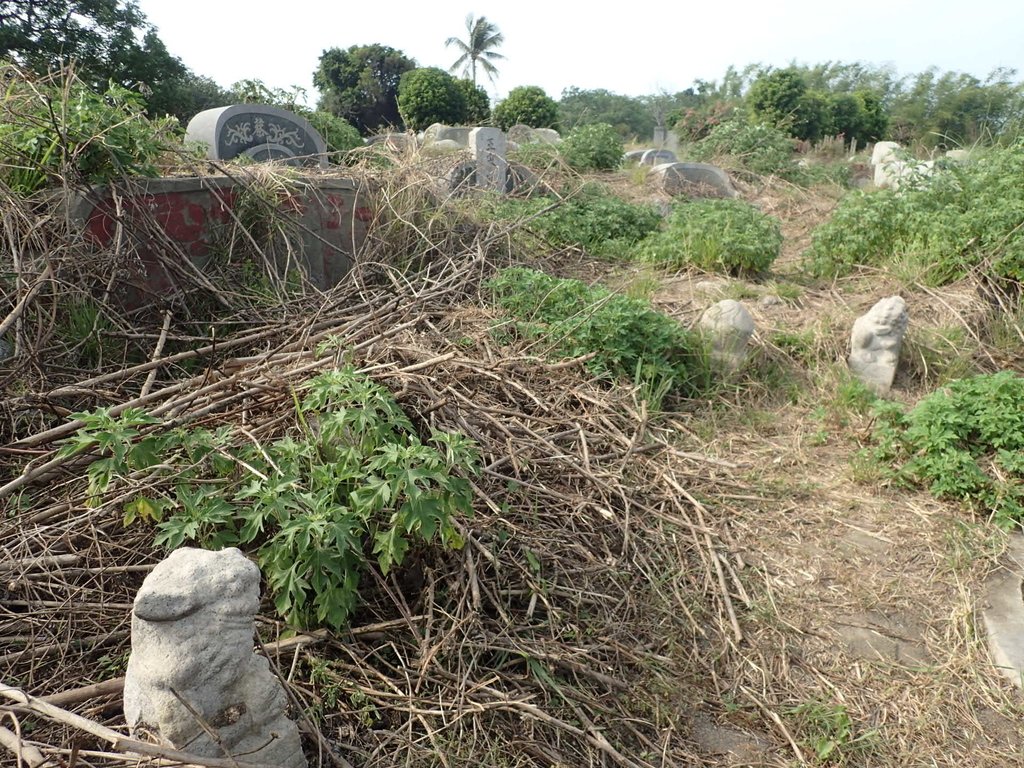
[574, 627]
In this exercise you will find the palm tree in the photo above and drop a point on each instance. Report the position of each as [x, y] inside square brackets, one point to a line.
[483, 38]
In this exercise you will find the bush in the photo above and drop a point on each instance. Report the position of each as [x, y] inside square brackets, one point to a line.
[594, 147]
[728, 236]
[965, 215]
[754, 147]
[625, 336]
[593, 219]
[964, 442]
[340, 136]
[527, 105]
[430, 95]
[58, 126]
[313, 504]
[478, 103]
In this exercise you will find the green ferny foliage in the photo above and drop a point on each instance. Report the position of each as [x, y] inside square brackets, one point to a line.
[728, 236]
[353, 481]
[624, 335]
[964, 442]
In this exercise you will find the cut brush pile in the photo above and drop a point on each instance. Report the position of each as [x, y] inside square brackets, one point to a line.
[574, 625]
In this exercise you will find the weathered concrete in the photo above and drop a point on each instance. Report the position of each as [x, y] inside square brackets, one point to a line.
[488, 146]
[259, 132]
[166, 220]
[1003, 613]
[193, 680]
[657, 157]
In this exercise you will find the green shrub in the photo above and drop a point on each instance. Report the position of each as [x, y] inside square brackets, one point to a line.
[594, 219]
[340, 136]
[430, 95]
[964, 442]
[626, 337]
[51, 129]
[478, 103]
[728, 236]
[964, 215]
[754, 147]
[354, 478]
[527, 105]
[595, 147]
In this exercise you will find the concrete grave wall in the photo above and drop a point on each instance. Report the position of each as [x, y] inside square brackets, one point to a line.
[168, 220]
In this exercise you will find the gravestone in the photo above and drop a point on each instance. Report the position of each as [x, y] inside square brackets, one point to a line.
[634, 155]
[694, 179]
[258, 132]
[489, 151]
[439, 132]
[193, 680]
[875, 344]
[657, 157]
[524, 134]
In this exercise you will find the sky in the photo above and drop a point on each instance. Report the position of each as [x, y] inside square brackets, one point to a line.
[631, 50]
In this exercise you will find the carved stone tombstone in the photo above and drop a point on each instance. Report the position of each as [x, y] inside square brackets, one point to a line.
[259, 132]
[489, 152]
[193, 680]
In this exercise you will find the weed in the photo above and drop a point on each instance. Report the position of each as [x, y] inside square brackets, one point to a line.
[964, 442]
[356, 478]
[593, 218]
[595, 147]
[963, 216]
[829, 732]
[728, 236]
[624, 336]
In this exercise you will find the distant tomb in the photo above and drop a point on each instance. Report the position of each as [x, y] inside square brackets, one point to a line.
[259, 132]
[694, 180]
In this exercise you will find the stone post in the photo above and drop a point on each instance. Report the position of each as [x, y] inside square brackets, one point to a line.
[489, 146]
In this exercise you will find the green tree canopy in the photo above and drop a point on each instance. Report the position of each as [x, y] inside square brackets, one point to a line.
[106, 40]
[430, 95]
[478, 103]
[482, 37]
[627, 115]
[529, 105]
[360, 84]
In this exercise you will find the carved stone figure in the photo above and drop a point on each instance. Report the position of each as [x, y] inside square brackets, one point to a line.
[193, 681]
[875, 343]
[728, 326]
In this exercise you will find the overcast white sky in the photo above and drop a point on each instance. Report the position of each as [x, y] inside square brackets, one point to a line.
[625, 48]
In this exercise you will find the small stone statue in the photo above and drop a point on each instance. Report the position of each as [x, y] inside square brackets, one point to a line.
[728, 326]
[193, 681]
[875, 344]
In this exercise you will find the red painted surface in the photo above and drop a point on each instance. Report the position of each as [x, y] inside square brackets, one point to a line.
[188, 215]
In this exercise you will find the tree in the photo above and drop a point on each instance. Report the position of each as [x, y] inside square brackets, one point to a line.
[478, 48]
[628, 115]
[478, 104]
[529, 105]
[360, 84]
[430, 95]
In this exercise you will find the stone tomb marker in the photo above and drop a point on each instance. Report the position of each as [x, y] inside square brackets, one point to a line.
[257, 131]
[489, 147]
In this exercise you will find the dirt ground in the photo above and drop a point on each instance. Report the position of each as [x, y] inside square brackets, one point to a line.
[861, 641]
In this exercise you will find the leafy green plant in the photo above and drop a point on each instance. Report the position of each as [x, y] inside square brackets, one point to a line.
[964, 215]
[478, 103]
[592, 218]
[623, 336]
[354, 481]
[595, 147]
[340, 136]
[964, 442]
[52, 127]
[753, 147]
[728, 236]
[829, 732]
[527, 105]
